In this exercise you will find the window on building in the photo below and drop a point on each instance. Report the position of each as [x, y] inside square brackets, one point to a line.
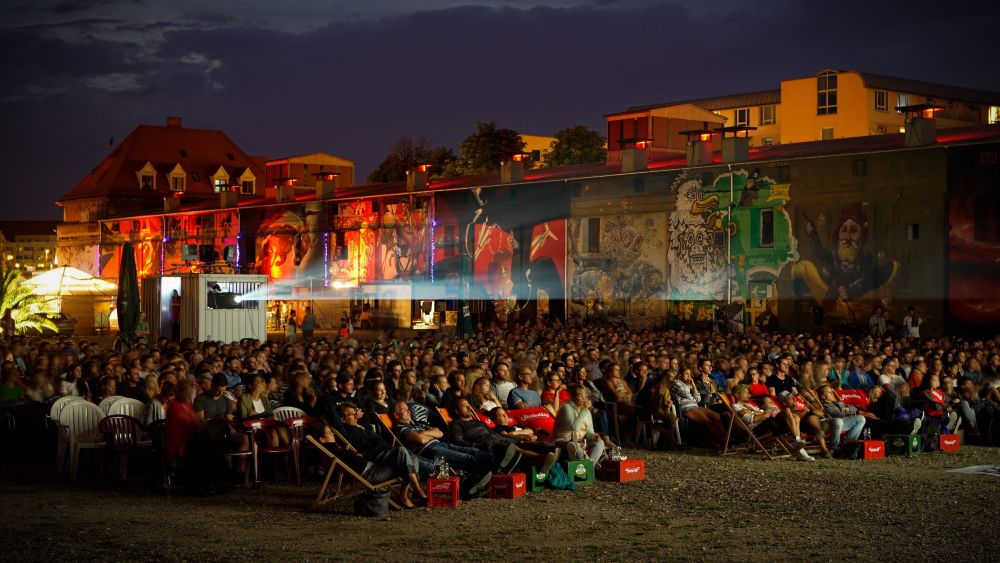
[881, 129]
[859, 167]
[247, 187]
[766, 228]
[221, 185]
[993, 116]
[767, 141]
[743, 117]
[147, 182]
[177, 183]
[826, 93]
[826, 133]
[536, 155]
[881, 100]
[767, 115]
[592, 234]
[913, 231]
[988, 218]
[902, 100]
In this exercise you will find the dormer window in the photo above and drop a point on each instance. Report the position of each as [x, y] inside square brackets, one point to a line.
[247, 182]
[178, 179]
[146, 177]
[220, 180]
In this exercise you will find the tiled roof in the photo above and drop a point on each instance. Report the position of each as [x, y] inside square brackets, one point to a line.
[763, 97]
[200, 152]
[938, 91]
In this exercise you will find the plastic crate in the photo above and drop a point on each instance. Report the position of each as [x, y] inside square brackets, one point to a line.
[903, 444]
[509, 486]
[442, 493]
[871, 449]
[950, 442]
[622, 471]
[580, 471]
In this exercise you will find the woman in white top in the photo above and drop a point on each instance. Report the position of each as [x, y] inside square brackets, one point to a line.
[575, 426]
[255, 404]
[156, 409]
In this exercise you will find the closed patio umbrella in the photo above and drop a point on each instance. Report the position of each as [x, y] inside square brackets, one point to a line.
[128, 298]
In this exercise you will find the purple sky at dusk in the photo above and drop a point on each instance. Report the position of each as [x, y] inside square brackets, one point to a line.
[350, 78]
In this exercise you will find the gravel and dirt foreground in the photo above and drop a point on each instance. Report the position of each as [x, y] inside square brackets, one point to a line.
[691, 506]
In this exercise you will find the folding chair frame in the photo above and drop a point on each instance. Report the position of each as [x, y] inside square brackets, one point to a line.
[752, 439]
[340, 468]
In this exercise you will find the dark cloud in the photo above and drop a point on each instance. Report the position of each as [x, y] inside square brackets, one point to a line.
[353, 87]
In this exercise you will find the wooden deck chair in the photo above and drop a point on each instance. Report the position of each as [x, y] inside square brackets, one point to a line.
[753, 441]
[340, 468]
[387, 423]
[445, 415]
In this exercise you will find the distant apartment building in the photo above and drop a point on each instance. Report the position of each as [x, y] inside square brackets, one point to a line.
[830, 105]
[28, 244]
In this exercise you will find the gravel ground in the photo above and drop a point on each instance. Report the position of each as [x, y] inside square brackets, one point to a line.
[691, 506]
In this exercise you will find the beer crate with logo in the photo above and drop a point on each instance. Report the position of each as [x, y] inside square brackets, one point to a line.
[580, 471]
[871, 449]
[442, 493]
[511, 485]
[903, 444]
[536, 480]
[950, 442]
[623, 471]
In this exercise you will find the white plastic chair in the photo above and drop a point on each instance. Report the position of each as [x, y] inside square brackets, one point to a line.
[62, 442]
[108, 402]
[81, 419]
[135, 409]
[132, 407]
[282, 413]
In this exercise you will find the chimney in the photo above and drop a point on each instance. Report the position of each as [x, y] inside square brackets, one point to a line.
[172, 202]
[284, 189]
[173, 121]
[326, 184]
[636, 157]
[512, 170]
[921, 126]
[229, 198]
[416, 177]
[736, 148]
[700, 147]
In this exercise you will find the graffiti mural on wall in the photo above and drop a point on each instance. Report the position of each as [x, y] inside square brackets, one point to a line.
[843, 276]
[402, 243]
[291, 243]
[624, 276]
[757, 242]
[145, 234]
[211, 232]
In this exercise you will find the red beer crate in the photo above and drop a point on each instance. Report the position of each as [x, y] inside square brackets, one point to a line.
[442, 493]
[871, 449]
[950, 442]
[623, 471]
[511, 486]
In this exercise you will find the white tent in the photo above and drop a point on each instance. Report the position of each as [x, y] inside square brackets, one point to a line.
[67, 281]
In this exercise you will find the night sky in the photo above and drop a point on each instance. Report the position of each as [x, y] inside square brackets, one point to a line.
[350, 78]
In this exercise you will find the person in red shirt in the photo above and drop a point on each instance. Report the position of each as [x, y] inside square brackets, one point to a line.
[555, 393]
[182, 422]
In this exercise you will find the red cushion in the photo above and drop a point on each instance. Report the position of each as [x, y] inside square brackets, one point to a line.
[483, 417]
[854, 397]
[758, 390]
[537, 419]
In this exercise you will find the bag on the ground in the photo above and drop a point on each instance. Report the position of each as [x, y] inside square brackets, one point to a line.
[372, 503]
[558, 479]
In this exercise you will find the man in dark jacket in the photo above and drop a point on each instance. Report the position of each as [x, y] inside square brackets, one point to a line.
[467, 430]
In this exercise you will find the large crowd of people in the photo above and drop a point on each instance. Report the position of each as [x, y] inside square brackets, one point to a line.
[602, 384]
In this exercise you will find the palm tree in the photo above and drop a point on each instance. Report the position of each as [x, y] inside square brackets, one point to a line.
[23, 303]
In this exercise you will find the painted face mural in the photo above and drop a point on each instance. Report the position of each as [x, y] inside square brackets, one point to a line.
[290, 244]
[697, 253]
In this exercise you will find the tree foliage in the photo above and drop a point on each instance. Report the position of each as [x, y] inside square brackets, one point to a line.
[484, 150]
[407, 153]
[576, 145]
[23, 302]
